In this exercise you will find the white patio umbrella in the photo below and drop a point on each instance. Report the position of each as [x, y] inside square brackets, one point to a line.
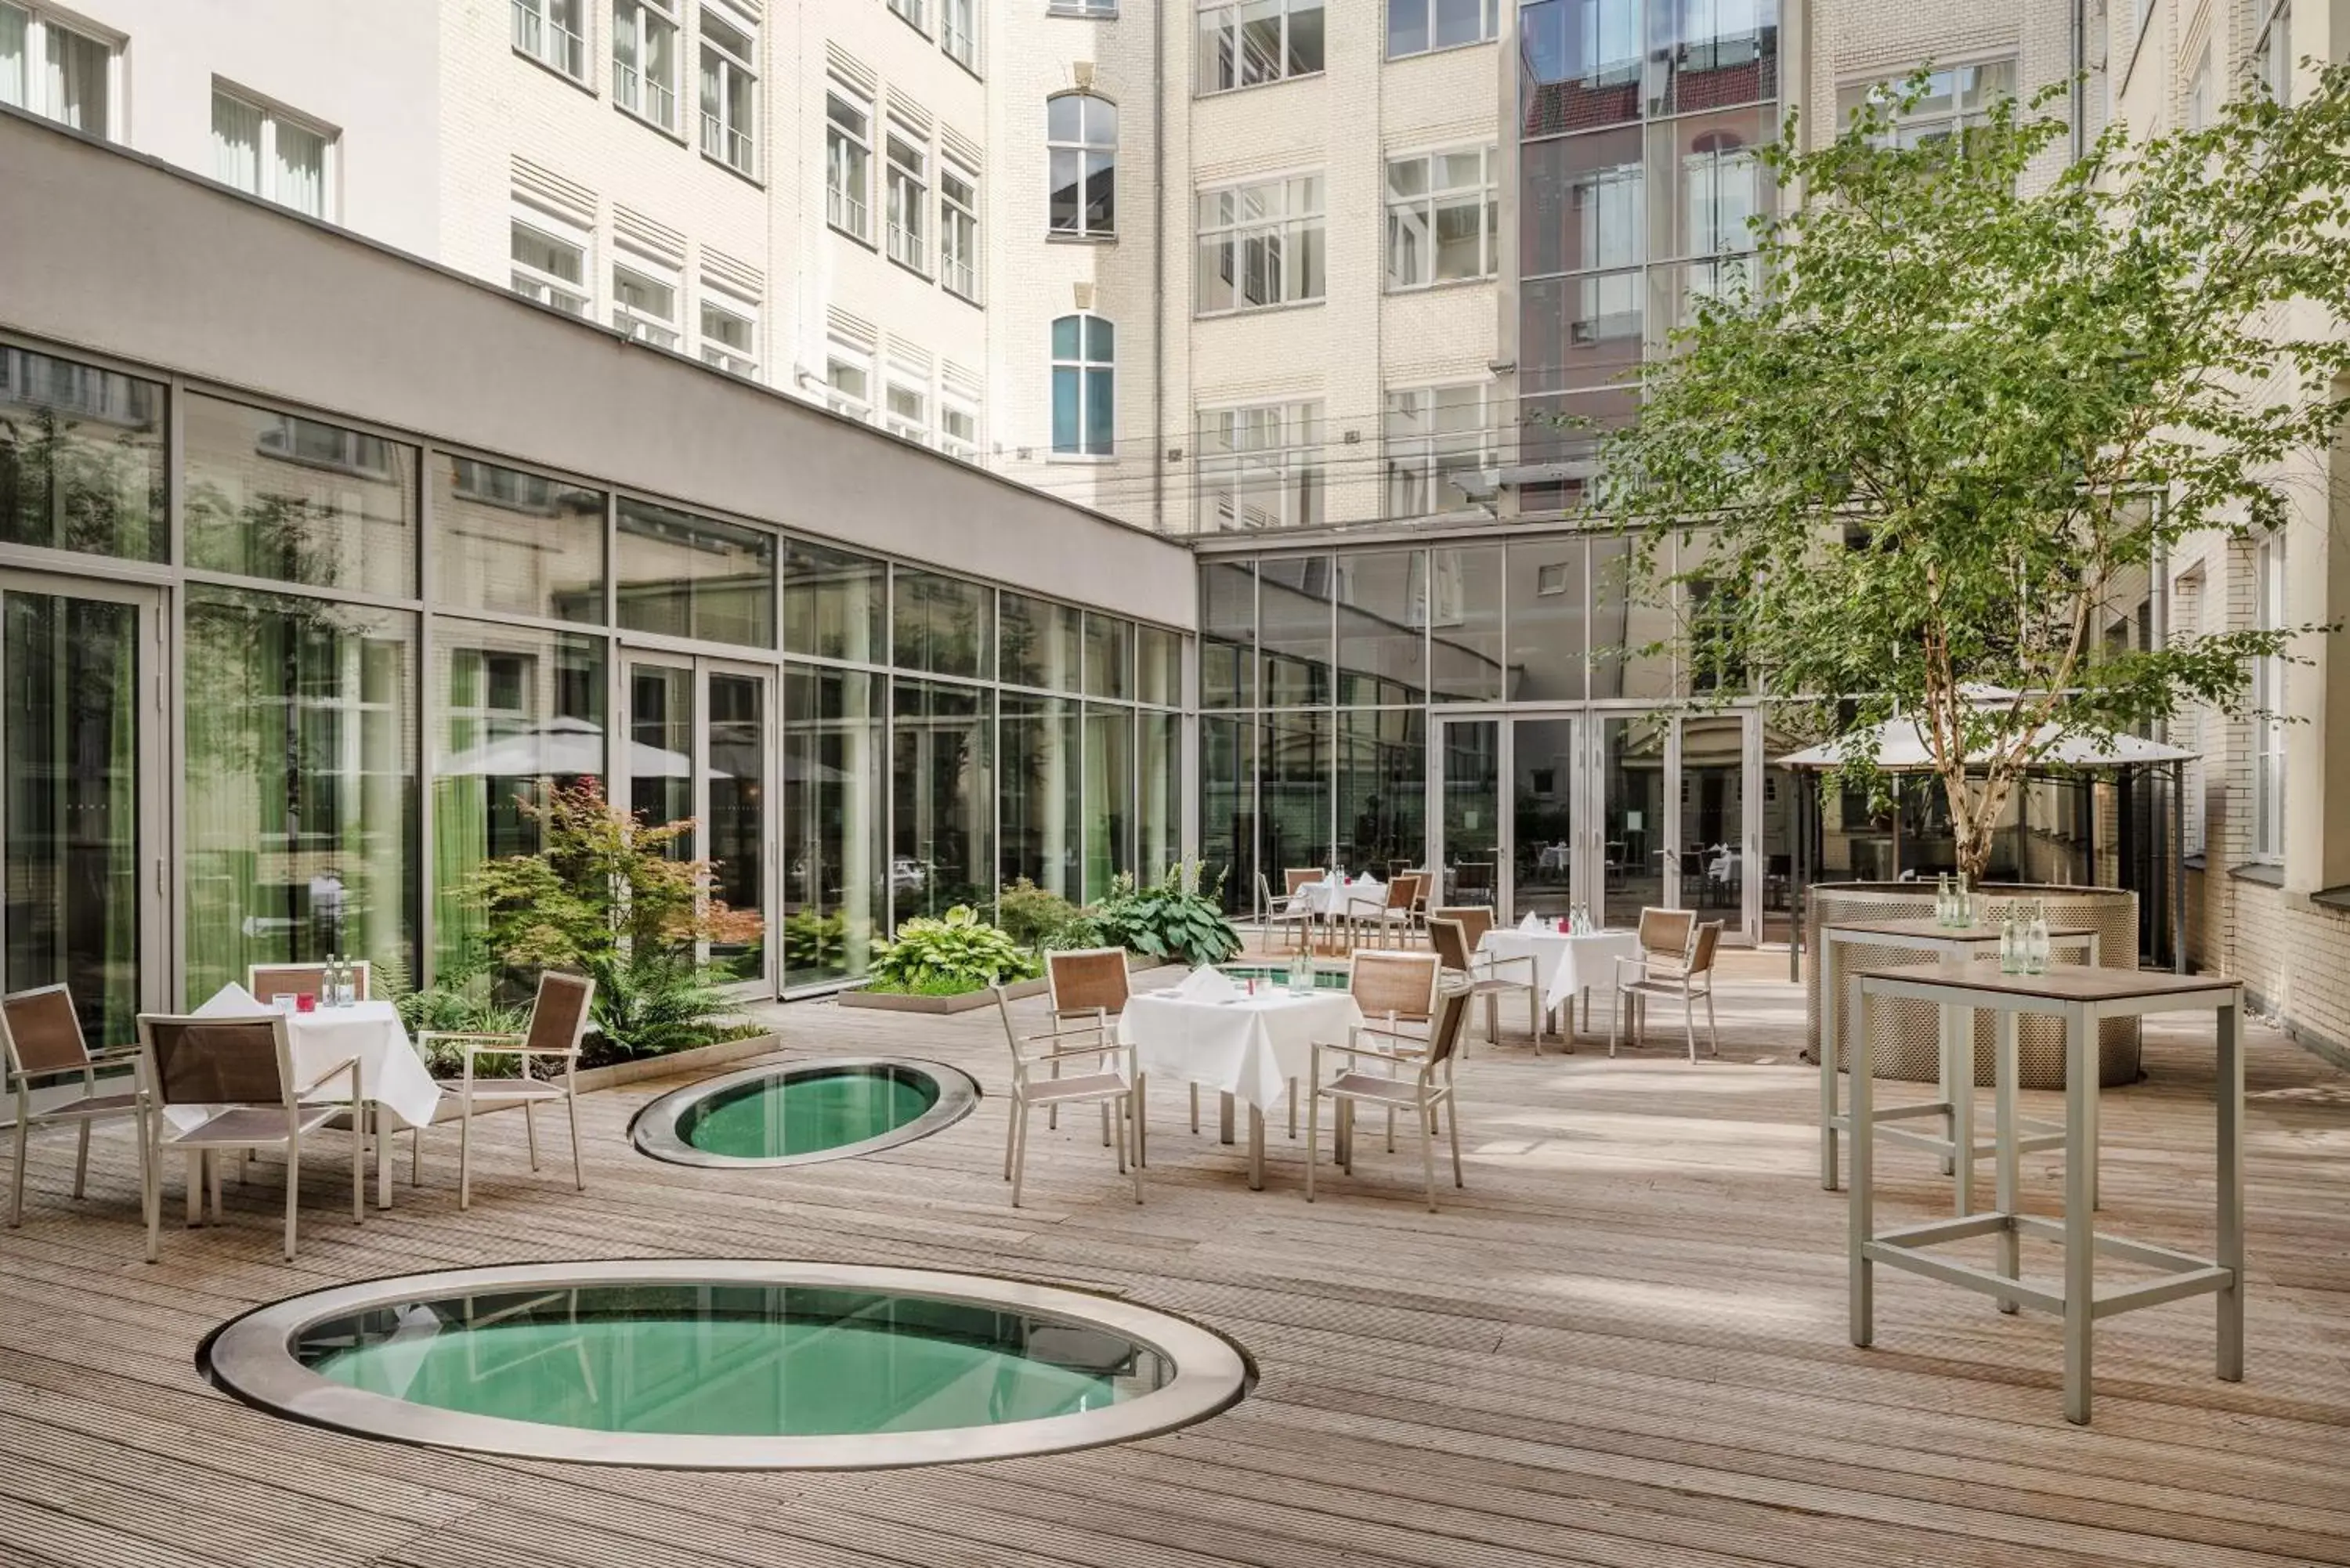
[565, 746]
[1899, 748]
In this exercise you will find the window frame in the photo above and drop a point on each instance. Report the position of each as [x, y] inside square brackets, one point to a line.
[897, 380]
[1489, 233]
[1091, 446]
[962, 449]
[730, 67]
[913, 13]
[273, 118]
[39, 21]
[557, 231]
[1490, 20]
[1425, 452]
[641, 327]
[1956, 121]
[965, 33]
[535, 19]
[1082, 148]
[2272, 56]
[959, 272]
[1299, 453]
[1083, 10]
[906, 191]
[1237, 234]
[741, 361]
[1230, 23]
[2269, 684]
[836, 197]
[840, 355]
[649, 13]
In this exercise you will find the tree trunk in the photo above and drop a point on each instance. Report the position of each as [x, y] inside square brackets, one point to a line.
[1973, 820]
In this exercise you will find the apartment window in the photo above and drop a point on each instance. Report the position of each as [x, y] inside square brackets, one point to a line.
[959, 231]
[909, 196]
[2199, 93]
[644, 60]
[550, 263]
[271, 155]
[959, 31]
[1261, 245]
[906, 411]
[958, 431]
[1095, 8]
[2268, 704]
[912, 10]
[1085, 391]
[1954, 100]
[1416, 26]
[1722, 192]
[50, 68]
[2272, 54]
[644, 305]
[730, 333]
[1259, 42]
[729, 89]
[1435, 435]
[1444, 217]
[554, 33]
[848, 162]
[1261, 467]
[849, 383]
[1081, 134]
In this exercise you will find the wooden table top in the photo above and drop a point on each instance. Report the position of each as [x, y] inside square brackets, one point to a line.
[2060, 982]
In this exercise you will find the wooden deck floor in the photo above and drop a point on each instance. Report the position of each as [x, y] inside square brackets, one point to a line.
[1624, 1344]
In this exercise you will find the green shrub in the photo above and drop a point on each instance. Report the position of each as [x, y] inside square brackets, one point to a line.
[1174, 919]
[1031, 915]
[812, 940]
[957, 951]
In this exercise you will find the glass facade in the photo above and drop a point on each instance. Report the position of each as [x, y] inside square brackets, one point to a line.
[382, 649]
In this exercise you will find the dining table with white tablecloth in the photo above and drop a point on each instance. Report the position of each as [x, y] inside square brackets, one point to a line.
[1248, 1048]
[1358, 898]
[395, 1088]
[1567, 965]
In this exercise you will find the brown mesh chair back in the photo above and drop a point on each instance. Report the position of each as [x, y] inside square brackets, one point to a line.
[217, 1061]
[1398, 984]
[41, 1033]
[1088, 979]
[559, 1015]
[267, 979]
[1451, 1019]
[1708, 937]
[1451, 942]
[1403, 893]
[1474, 920]
[1665, 933]
[1298, 877]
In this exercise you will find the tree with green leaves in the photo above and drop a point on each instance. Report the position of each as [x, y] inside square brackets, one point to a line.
[1926, 460]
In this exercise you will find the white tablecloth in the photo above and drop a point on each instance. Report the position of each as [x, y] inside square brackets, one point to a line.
[1249, 1047]
[1564, 965]
[391, 1075]
[1363, 897]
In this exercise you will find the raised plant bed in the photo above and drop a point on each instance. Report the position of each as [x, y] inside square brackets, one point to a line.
[969, 1001]
[687, 1060]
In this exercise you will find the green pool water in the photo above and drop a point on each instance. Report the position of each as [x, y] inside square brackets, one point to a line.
[738, 1360]
[806, 1112]
[1328, 974]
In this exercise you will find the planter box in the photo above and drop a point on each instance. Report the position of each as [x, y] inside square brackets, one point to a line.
[969, 1001]
[699, 1057]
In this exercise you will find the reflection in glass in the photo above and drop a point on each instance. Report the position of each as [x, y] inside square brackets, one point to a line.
[1382, 791]
[69, 785]
[943, 790]
[661, 748]
[300, 804]
[1042, 644]
[737, 824]
[1464, 623]
[1717, 176]
[519, 711]
[836, 897]
[514, 542]
[1713, 52]
[81, 458]
[1109, 797]
[807, 1112]
[942, 625]
[1300, 761]
[833, 603]
[1295, 631]
[1227, 781]
[1632, 820]
[1159, 800]
[1109, 657]
[1580, 64]
[1382, 628]
[686, 575]
[272, 495]
[1158, 666]
[1542, 803]
[1042, 802]
[1227, 634]
[1473, 812]
[1547, 616]
[1712, 860]
[1585, 203]
[1632, 624]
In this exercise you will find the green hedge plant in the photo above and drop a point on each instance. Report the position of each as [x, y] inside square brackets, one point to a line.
[948, 955]
[1175, 918]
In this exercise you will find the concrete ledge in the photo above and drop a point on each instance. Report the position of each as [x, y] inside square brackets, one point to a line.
[967, 1002]
[640, 1067]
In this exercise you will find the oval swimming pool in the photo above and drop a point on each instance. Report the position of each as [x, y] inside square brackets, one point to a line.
[703, 1363]
[797, 1113]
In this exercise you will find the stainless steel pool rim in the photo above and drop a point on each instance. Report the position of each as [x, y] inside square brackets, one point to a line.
[252, 1357]
[655, 1130]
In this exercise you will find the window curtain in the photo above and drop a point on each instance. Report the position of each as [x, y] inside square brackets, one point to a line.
[301, 170]
[77, 81]
[236, 143]
[14, 74]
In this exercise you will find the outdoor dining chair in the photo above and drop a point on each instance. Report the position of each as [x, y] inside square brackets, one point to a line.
[239, 1073]
[1688, 976]
[267, 979]
[559, 1016]
[1474, 920]
[1094, 983]
[41, 1039]
[1491, 976]
[1399, 916]
[1416, 1076]
[1110, 1081]
[1285, 911]
[1394, 990]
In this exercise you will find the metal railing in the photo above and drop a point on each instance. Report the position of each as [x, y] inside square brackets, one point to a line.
[723, 142]
[547, 40]
[844, 211]
[641, 94]
[960, 278]
[906, 246]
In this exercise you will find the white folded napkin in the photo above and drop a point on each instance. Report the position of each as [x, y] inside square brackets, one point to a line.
[1531, 923]
[230, 1001]
[1207, 983]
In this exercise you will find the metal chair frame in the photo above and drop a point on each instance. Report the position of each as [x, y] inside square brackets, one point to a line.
[1119, 1095]
[82, 1111]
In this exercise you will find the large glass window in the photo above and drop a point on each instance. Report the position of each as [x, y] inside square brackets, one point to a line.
[1382, 789]
[299, 801]
[1042, 644]
[1081, 137]
[730, 88]
[1258, 42]
[82, 465]
[959, 231]
[909, 201]
[942, 793]
[1382, 628]
[50, 68]
[1633, 624]
[1158, 667]
[1954, 99]
[1227, 808]
[1043, 801]
[1416, 26]
[516, 543]
[1466, 660]
[1580, 64]
[1294, 630]
[1711, 52]
[1261, 467]
[276, 496]
[1227, 634]
[1444, 217]
[834, 603]
[1085, 387]
[1159, 795]
[517, 712]
[644, 59]
[1439, 442]
[684, 575]
[942, 625]
[848, 163]
[1109, 657]
[1299, 760]
[1109, 796]
[835, 787]
[271, 155]
[1261, 245]
[1549, 619]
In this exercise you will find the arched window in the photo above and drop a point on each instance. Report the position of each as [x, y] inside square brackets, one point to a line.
[1082, 132]
[1085, 397]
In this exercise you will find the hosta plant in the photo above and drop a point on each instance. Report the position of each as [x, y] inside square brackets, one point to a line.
[1174, 919]
[948, 954]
